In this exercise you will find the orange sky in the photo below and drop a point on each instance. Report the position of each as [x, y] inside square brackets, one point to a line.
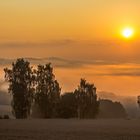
[81, 38]
[33, 20]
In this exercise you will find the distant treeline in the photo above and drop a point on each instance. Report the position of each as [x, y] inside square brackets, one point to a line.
[110, 109]
[36, 92]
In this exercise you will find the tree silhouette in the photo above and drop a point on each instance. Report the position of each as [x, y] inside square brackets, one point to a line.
[20, 79]
[68, 106]
[110, 109]
[87, 104]
[138, 101]
[47, 94]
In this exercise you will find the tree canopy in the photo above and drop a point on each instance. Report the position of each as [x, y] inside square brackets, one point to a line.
[47, 94]
[20, 78]
[86, 100]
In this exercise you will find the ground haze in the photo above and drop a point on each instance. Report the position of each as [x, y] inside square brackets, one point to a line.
[109, 129]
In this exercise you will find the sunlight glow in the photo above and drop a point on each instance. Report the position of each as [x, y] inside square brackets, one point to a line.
[127, 32]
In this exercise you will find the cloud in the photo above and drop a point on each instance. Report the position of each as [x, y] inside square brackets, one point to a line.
[98, 67]
[123, 74]
[5, 61]
[58, 62]
[72, 62]
[51, 43]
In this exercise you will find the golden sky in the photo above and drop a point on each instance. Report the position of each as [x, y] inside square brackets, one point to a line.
[41, 20]
[81, 38]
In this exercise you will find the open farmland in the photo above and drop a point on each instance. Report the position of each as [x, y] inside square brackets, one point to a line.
[59, 129]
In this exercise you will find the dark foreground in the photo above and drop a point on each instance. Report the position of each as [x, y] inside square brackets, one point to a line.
[70, 129]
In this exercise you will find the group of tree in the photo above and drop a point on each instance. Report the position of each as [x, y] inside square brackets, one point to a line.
[82, 103]
[38, 88]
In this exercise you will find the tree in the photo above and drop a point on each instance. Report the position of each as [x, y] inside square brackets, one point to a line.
[47, 94]
[138, 101]
[20, 78]
[68, 106]
[87, 104]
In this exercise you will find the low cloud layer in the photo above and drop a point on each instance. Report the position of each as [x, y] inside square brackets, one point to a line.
[109, 68]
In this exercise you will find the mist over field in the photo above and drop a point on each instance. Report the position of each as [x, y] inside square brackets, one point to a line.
[69, 70]
[129, 102]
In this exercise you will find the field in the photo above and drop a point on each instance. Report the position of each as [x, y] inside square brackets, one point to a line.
[59, 129]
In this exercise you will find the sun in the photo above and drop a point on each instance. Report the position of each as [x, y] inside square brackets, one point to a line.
[127, 32]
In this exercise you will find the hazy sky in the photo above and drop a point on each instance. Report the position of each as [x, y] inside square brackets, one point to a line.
[81, 38]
